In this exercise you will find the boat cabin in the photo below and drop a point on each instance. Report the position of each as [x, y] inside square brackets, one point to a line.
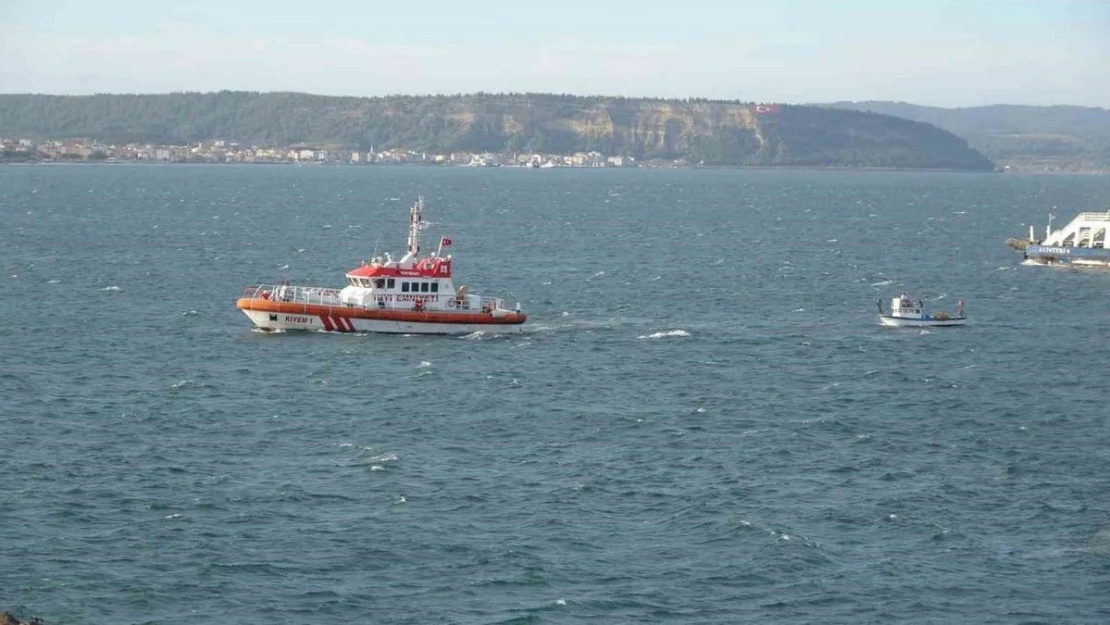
[423, 283]
[903, 306]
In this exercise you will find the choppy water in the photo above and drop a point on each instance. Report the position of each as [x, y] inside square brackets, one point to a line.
[703, 423]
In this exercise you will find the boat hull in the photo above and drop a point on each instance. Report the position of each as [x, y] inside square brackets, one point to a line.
[282, 316]
[909, 322]
[1054, 255]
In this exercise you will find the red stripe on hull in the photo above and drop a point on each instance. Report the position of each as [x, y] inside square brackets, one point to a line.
[326, 313]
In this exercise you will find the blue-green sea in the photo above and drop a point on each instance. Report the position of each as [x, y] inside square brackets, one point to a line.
[702, 423]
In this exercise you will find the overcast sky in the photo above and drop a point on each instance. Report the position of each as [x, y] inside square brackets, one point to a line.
[940, 53]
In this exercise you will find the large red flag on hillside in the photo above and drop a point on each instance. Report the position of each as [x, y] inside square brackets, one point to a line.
[766, 109]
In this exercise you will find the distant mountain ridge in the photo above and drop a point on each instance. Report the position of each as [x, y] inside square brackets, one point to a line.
[1032, 138]
[691, 131]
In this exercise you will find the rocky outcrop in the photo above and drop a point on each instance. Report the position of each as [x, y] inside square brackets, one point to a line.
[6, 618]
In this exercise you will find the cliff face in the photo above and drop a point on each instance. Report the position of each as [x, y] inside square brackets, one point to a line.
[695, 131]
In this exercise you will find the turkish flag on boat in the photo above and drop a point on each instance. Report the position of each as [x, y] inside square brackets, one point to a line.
[445, 241]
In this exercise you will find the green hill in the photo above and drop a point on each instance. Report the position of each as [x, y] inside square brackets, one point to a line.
[695, 131]
[1038, 138]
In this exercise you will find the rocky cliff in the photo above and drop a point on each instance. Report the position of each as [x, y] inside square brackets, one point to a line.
[692, 131]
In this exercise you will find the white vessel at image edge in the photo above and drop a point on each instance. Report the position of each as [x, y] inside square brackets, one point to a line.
[1081, 243]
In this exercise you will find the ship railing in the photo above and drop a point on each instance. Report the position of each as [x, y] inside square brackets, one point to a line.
[1095, 216]
[293, 293]
[487, 304]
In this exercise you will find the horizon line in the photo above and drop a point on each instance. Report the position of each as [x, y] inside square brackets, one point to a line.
[541, 93]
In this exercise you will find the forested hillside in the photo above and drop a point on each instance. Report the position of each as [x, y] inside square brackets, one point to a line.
[1032, 138]
[694, 131]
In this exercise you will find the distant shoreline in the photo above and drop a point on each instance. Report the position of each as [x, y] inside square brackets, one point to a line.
[1012, 170]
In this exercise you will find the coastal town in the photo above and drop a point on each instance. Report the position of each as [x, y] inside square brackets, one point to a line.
[219, 151]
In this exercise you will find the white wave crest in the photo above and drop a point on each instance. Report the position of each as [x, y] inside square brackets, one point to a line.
[661, 335]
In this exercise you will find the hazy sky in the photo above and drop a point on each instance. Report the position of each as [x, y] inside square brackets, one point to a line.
[941, 53]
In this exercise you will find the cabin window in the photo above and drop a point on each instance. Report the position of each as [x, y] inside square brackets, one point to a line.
[435, 287]
[404, 287]
[353, 281]
[379, 283]
[424, 287]
[389, 283]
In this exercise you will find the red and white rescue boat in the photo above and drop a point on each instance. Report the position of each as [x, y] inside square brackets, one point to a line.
[412, 296]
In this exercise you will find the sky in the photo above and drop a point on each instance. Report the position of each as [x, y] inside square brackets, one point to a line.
[948, 53]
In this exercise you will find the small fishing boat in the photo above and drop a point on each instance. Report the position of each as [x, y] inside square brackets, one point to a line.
[413, 295]
[1081, 243]
[906, 313]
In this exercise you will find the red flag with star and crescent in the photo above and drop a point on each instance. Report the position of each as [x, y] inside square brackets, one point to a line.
[445, 241]
[766, 109]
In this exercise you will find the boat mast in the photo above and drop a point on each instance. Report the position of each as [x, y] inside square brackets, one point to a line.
[416, 224]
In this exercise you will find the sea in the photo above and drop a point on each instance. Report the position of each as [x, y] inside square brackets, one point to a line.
[703, 421]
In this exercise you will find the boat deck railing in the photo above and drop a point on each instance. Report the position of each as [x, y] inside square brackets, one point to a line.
[1095, 216]
[291, 293]
[330, 297]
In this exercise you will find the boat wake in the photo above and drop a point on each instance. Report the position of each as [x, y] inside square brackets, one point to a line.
[568, 323]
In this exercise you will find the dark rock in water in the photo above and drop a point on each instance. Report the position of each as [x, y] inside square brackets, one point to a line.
[6, 618]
